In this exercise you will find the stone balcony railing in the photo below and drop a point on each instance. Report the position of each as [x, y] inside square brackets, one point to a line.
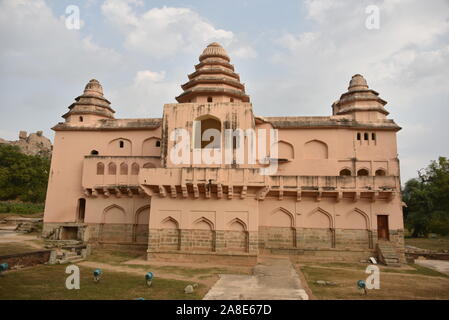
[194, 180]
[126, 174]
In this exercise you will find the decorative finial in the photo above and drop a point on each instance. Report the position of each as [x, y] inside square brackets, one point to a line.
[93, 87]
[357, 82]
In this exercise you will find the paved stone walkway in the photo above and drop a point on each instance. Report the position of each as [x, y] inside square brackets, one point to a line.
[273, 279]
[438, 265]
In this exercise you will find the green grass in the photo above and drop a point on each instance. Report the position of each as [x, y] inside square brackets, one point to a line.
[48, 283]
[417, 269]
[394, 283]
[22, 208]
[114, 256]
[437, 244]
[183, 271]
[14, 247]
[392, 286]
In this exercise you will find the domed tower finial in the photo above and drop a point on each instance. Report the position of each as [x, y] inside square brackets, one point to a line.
[93, 87]
[91, 105]
[359, 99]
[357, 82]
[214, 79]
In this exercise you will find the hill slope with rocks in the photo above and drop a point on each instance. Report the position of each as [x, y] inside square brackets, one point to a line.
[35, 144]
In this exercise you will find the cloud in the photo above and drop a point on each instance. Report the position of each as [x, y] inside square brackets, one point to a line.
[36, 43]
[166, 31]
[406, 60]
[149, 76]
[145, 96]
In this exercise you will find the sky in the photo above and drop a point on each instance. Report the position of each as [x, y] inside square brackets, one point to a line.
[295, 57]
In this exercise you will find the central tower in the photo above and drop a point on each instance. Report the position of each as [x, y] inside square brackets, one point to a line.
[214, 79]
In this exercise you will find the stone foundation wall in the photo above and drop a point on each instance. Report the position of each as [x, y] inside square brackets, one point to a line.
[277, 237]
[108, 233]
[202, 241]
[316, 238]
[340, 244]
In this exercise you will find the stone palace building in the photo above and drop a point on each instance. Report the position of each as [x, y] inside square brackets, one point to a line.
[334, 193]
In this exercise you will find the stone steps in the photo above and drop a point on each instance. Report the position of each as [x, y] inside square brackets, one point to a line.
[387, 254]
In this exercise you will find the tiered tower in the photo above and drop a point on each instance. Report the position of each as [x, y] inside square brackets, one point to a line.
[360, 101]
[90, 106]
[214, 79]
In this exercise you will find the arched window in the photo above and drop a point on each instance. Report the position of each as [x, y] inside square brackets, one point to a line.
[112, 168]
[209, 99]
[373, 136]
[366, 136]
[121, 144]
[134, 169]
[81, 119]
[359, 136]
[362, 172]
[123, 168]
[207, 132]
[94, 152]
[345, 172]
[380, 172]
[158, 143]
[100, 168]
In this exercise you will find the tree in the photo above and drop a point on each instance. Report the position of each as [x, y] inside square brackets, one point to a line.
[427, 199]
[22, 177]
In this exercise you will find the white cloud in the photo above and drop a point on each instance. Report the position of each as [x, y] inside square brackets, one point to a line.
[406, 60]
[147, 75]
[35, 42]
[146, 95]
[166, 31]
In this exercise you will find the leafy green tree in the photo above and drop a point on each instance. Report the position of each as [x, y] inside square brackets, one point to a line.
[427, 199]
[22, 177]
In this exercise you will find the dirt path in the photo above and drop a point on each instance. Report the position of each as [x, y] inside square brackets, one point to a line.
[273, 279]
[438, 265]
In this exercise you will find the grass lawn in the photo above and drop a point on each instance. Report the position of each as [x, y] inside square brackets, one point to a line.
[438, 244]
[15, 247]
[119, 257]
[114, 256]
[410, 282]
[48, 283]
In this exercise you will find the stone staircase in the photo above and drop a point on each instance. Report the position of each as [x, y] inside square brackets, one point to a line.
[387, 254]
[65, 256]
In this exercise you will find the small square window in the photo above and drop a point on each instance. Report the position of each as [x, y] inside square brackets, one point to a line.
[209, 99]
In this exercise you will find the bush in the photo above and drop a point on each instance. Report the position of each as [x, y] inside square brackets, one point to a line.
[21, 207]
[22, 177]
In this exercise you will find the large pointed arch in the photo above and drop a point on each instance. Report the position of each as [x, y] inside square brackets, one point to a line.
[320, 210]
[237, 221]
[287, 213]
[206, 221]
[363, 214]
[170, 220]
[109, 209]
[140, 212]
